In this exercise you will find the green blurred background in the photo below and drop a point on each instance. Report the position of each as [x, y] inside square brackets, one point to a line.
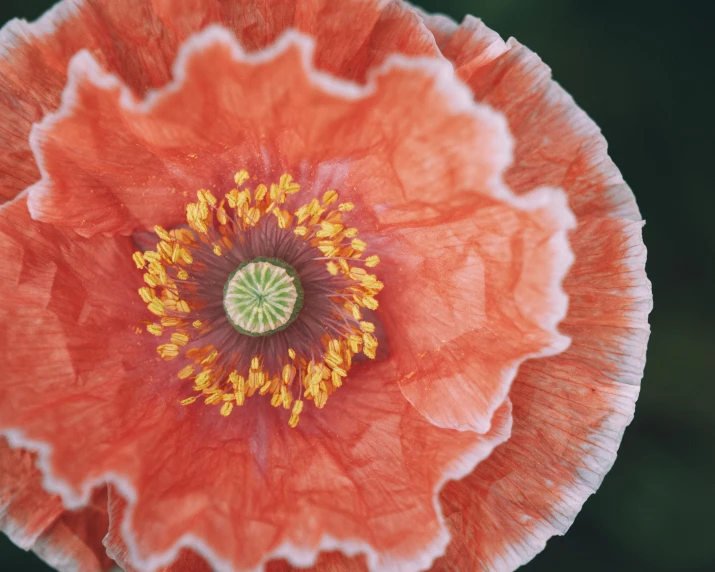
[645, 71]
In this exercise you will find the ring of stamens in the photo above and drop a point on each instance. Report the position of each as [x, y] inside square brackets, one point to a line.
[306, 349]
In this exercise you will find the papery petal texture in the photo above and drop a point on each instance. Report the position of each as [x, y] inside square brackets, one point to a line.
[139, 40]
[570, 410]
[153, 452]
[427, 186]
[362, 483]
[505, 232]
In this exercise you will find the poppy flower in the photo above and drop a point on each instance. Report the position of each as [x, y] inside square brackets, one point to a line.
[303, 284]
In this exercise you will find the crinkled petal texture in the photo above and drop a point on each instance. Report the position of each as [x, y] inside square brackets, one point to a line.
[570, 410]
[421, 161]
[361, 475]
[36, 520]
[139, 39]
[473, 274]
[472, 289]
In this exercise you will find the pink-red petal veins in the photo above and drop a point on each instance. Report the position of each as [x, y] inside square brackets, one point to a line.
[411, 149]
[138, 40]
[411, 135]
[36, 520]
[570, 410]
[467, 301]
[360, 476]
[26, 511]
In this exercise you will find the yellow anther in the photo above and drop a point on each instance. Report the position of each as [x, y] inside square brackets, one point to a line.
[336, 379]
[252, 216]
[260, 192]
[226, 409]
[241, 177]
[155, 329]
[277, 399]
[188, 400]
[255, 364]
[150, 280]
[351, 233]
[175, 253]
[206, 196]
[168, 351]
[139, 260]
[182, 275]
[288, 373]
[221, 215]
[291, 353]
[171, 322]
[182, 306]
[369, 340]
[288, 184]
[232, 198]
[161, 233]
[156, 307]
[265, 387]
[147, 294]
[355, 310]
[186, 256]
[203, 379]
[370, 302]
[300, 230]
[367, 327]
[295, 413]
[346, 207]
[372, 261]
[217, 250]
[332, 268]
[179, 338]
[330, 197]
[214, 399]
[358, 245]
[212, 357]
[197, 324]
[186, 372]
[328, 229]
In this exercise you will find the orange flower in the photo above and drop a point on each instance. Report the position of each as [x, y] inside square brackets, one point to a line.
[271, 275]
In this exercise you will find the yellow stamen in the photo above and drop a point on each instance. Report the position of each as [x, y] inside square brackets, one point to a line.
[216, 222]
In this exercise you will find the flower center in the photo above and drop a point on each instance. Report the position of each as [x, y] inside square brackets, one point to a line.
[254, 299]
[262, 296]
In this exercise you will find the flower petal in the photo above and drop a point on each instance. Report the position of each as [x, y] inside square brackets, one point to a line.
[570, 410]
[36, 520]
[26, 510]
[227, 110]
[136, 38]
[467, 301]
[410, 148]
[361, 475]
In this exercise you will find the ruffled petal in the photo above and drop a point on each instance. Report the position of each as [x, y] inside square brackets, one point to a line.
[227, 110]
[36, 520]
[26, 511]
[410, 149]
[570, 410]
[361, 476]
[467, 301]
[139, 39]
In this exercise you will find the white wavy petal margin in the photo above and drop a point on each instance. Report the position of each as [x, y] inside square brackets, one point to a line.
[84, 68]
[610, 434]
